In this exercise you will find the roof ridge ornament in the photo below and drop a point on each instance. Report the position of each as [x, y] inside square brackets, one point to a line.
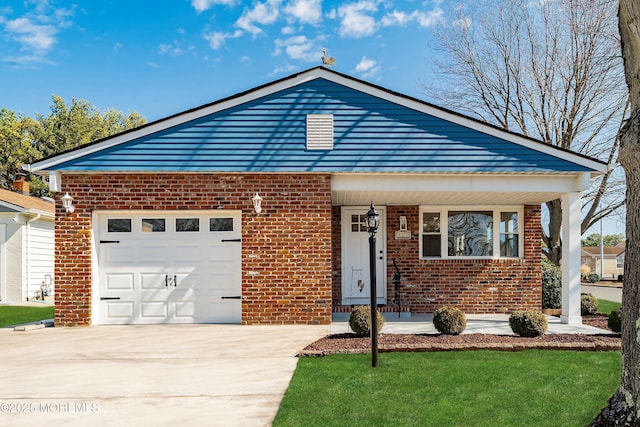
[327, 61]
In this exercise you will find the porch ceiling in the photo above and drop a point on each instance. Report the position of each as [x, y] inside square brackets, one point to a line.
[452, 189]
[363, 198]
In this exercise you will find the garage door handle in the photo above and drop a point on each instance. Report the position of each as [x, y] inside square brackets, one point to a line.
[234, 297]
[232, 240]
[108, 298]
[109, 241]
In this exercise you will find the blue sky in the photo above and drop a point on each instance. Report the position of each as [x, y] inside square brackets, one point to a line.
[160, 58]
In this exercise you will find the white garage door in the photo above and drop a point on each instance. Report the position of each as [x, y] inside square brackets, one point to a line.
[169, 267]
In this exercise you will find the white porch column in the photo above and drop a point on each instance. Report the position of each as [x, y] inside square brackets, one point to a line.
[571, 207]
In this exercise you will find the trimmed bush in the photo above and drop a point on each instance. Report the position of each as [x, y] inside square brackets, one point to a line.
[593, 277]
[449, 320]
[584, 271]
[528, 323]
[588, 304]
[551, 285]
[615, 320]
[360, 320]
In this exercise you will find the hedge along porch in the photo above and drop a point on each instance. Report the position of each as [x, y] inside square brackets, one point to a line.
[163, 228]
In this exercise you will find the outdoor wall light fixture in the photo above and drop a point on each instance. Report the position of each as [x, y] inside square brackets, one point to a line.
[257, 203]
[67, 203]
[373, 221]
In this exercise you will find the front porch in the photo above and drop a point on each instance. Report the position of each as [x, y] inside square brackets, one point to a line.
[469, 241]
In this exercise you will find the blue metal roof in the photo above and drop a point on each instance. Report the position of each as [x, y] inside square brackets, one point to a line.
[371, 134]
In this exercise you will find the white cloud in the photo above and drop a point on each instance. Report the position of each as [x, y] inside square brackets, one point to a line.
[263, 13]
[117, 47]
[25, 60]
[172, 50]
[31, 35]
[395, 18]
[355, 19]
[36, 32]
[287, 68]
[61, 17]
[430, 19]
[365, 64]
[217, 39]
[300, 47]
[202, 5]
[464, 23]
[305, 11]
[288, 30]
[423, 19]
[368, 68]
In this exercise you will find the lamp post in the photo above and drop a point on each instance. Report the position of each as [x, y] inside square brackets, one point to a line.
[373, 221]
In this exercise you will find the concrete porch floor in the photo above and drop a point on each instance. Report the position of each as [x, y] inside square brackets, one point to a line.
[496, 324]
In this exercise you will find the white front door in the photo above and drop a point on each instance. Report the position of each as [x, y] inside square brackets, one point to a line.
[169, 267]
[355, 257]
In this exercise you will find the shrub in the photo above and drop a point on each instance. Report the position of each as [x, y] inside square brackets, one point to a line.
[551, 285]
[449, 320]
[615, 320]
[528, 323]
[360, 320]
[593, 277]
[584, 271]
[588, 304]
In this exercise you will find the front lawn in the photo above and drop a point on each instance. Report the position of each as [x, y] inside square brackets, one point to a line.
[605, 306]
[466, 388]
[18, 314]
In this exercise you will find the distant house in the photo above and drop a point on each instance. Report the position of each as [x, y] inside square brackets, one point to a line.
[613, 260]
[26, 244]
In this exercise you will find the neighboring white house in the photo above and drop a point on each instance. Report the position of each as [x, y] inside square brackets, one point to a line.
[613, 260]
[26, 244]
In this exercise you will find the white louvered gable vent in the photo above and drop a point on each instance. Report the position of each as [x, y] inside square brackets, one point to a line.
[319, 131]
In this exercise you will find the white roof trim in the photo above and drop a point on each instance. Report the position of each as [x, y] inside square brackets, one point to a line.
[25, 211]
[298, 79]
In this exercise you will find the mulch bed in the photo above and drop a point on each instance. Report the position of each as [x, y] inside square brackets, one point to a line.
[351, 344]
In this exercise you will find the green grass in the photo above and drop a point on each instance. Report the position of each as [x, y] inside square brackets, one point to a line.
[467, 388]
[17, 314]
[605, 306]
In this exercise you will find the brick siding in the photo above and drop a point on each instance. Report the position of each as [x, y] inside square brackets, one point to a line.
[475, 286]
[286, 250]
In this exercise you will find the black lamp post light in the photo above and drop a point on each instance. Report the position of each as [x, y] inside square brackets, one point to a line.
[373, 221]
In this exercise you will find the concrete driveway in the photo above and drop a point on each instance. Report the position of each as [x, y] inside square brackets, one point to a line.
[191, 375]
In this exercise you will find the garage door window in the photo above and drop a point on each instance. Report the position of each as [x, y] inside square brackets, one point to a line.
[187, 224]
[119, 225]
[220, 224]
[153, 225]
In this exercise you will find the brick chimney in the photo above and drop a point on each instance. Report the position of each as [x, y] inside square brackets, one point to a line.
[21, 186]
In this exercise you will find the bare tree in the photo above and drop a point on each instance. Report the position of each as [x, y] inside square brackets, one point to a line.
[624, 406]
[550, 70]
